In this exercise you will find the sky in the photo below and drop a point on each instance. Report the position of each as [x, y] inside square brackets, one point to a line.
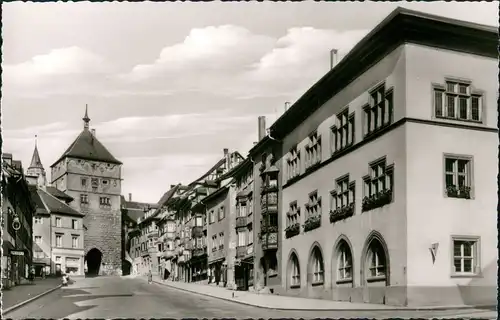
[170, 85]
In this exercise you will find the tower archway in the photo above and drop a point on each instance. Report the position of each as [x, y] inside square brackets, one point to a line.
[93, 260]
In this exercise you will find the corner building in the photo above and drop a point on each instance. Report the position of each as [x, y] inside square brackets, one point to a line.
[389, 166]
[88, 172]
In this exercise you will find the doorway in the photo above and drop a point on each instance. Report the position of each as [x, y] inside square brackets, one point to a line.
[94, 259]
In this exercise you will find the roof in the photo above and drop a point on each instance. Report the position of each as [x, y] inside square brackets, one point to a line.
[35, 159]
[166, 196]
[215, 194]
[134, 209]
[59, 194]
[57, 206]
[40, 207]
[87, 147]
[401, 26]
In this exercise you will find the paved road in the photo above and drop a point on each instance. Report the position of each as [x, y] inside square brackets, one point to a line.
[122, 297]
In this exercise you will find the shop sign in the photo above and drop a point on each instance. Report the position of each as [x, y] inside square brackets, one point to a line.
[16, 253]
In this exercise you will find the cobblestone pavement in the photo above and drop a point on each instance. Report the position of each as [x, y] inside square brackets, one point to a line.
[122, 297]
[24, 292]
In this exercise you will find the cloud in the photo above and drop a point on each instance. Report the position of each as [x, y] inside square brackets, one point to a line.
[232, 61]
[64, 70]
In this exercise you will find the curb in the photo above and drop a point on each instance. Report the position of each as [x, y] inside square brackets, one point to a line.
[22, 303]
[439, 308]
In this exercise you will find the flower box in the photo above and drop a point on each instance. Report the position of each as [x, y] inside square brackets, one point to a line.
[312, 223]
[268, 229]
[292, 230]
[377, 200]
[461, 192]
[342, 213]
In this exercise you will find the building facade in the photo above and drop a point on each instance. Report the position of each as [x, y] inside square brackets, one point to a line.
[88, 172]
[244, 263]
[392, 150]
[17, 223]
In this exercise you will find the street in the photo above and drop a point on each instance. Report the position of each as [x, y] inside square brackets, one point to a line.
[125, 297]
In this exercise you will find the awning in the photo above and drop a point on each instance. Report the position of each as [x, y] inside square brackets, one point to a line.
[216, 260]
[6, 246]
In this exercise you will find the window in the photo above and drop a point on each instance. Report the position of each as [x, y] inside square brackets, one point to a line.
[199, 221]
[84, 182]
[465, 256]
[294, 271]
[212, 216]
[74, 224]
[84, 199]
[222, 213]
[58, 259]
[74, 241]
[376, 260]
[58, 222]
[293, 163]
[317, 267]
[458, 176]
[38, 240]
[379, 179]
[249, 206]
[221, 240]
[456, 101]
[214, 243]
[313, 207]
[345, 262]
[59, 240]
[105, 182]
[313, 150]
[344, 194]
[379, 112]
[293, 215]
[104, 201]
[241, 239]
[38, 220]
[250, 235]
[343, 132]
[242, 209]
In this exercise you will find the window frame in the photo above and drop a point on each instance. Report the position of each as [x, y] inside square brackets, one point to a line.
[295, 217]
[311, 203]
[338, 193]
[59, 236]
[345, 125]
[75, 238]
[471, 95]
[371, 112]
[476, 256]
[314, 144]
[342, 265]
[469, 176]
[387, 178]
[38, 237]
[293, 163]
[294, 275]
[372, 257]
[58, 225]
[317, 268]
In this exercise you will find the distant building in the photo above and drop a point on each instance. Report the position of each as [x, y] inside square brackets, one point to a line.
[88, 172]
[17, 217]
[388, 186]
[58, 234]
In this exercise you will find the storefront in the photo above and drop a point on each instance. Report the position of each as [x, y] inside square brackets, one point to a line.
[244, 273]
[218, 272]
[73, 266]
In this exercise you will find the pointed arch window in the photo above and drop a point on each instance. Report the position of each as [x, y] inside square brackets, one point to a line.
[294, 272]
[344, 262]
[317, 267]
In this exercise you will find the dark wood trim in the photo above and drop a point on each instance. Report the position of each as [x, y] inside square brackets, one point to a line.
[400, 27]
[377, 134]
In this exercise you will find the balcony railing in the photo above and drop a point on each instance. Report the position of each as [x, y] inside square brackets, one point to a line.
[241, 251]
[241, 222]
[152, 234]
[199, 251]
[269, 241]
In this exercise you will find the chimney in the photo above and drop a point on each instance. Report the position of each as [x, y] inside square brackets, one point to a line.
[228, 158]
[93, 132]
[129, 197]
[172, 186]
[287, 105]
[333, 58]
[262, 127]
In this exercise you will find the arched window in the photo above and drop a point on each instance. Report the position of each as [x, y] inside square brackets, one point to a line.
[344, 262]
[376, 261]
[317, 267]
[294, 271]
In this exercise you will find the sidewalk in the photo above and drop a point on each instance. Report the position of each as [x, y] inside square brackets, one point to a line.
[270, 301]
[23, 292]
